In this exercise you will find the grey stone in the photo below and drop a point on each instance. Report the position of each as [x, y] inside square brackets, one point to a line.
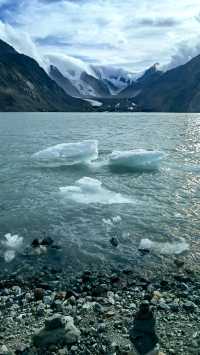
[54, 322]
[189, 306]
[40, 310]
[44, 338]
[72, 333]
[47, 300]
[58, 304]
[56, 333]
[4, 350]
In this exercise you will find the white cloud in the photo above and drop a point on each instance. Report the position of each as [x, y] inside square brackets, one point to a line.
[21, 41]
[131, 33]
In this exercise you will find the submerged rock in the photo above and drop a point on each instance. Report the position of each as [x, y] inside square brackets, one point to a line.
[47, 242]
[114, 241]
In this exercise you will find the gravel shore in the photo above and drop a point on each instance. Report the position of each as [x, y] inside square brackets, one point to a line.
[98, 309]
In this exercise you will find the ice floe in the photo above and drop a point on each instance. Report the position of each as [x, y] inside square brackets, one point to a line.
[11, 244]
[165, 248]
[137, 159]
[68, 153]
[88, 190]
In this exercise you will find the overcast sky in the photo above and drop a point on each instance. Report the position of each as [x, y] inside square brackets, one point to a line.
[132, 34]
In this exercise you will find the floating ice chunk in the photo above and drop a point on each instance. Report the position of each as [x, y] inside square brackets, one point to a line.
[12, 241]
[116, 219]
[112, 221]
[138, 159]
[165, 248]
[88, 190]
[11, 244]
[9, 255]
[68, 153]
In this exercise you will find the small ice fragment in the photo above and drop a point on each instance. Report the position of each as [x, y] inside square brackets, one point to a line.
[165, 248]
[9, 255]
[11, 244]
[88, 190]
[12, 241]
[116, 219]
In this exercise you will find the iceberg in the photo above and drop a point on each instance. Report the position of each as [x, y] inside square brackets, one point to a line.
[165, 248]
[68, 153]
[88, 190]
[12, 243]
[137, 159]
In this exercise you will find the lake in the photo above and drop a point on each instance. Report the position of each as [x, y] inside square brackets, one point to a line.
[164, 204]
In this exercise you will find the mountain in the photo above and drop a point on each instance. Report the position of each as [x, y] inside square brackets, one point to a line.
[116, 79]
[86, 86]
[143, 81]
[177, 90]
[63, 82]
[76, 77]
[25, 86]
[99, 87]
[80, 79]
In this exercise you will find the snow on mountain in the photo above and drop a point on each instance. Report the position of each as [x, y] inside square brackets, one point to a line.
[73, 69]
[78, 78]
[116, 78]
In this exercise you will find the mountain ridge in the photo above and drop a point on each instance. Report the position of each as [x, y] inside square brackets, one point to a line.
[25, 86]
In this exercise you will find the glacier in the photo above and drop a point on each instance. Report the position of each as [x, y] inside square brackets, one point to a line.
[137, 159]
[68, 153]
[88, 190]
[165, 248]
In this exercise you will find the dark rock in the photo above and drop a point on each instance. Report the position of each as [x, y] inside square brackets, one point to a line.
[114, 241]
[45, 338]
[86, 276]
[54, 322]
[189, 306]
[179, 263]
[100, 290]
[47, 242]
[57, 333]
[143, 334]
[163, 306]
[35, 243]
[174, 307]
[98, 308]
[58, 305]
[38, 294]
[115, 279]
[22, 349]
[127, 271]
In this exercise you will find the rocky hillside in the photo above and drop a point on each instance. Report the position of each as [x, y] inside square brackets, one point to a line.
[149, 77]
[25, 86]
[177, 90]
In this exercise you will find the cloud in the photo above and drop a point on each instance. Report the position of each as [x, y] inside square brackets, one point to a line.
[159, 22]
[108, 32]
[21, 41]
[184, 52]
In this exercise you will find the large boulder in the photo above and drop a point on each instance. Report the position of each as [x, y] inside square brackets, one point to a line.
[58, 331]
